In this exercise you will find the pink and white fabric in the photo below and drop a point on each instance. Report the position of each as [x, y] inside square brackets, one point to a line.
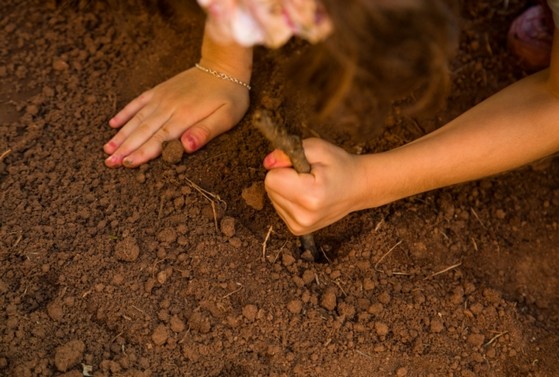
[266, 22]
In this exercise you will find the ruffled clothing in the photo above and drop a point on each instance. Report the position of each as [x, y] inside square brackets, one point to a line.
[266, 22]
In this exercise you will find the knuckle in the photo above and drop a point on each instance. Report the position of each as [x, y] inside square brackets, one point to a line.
[161, 135]
[145, 96]
[140, 116]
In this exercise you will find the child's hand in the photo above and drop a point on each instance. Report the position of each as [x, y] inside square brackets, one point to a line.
[193, 105]
[308, 202]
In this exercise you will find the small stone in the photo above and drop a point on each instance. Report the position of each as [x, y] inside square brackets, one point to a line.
[368, 284]
[475, 340]
[228, 226]
[381, 328]
[235, 242]
[287, 259]
[167, 235]
[436, 326]
[254, 195]
[329, 300]
[384, 298]
[172, 151]
[68, 355]
[160, 335]
[55, 311]
[127, 250]
[162, 276]
[346, 310]
[250, 311]
[402, 372]
[177, 324]
[308, 277]
[60, 65]
[295, 306]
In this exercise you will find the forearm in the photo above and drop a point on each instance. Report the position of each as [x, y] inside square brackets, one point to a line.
[229, 58]
[516, 126]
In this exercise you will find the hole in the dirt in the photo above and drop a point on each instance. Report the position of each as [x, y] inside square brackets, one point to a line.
[327, 251]
[37, 299]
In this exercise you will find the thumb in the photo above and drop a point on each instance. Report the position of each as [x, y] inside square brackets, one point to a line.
[277, 159]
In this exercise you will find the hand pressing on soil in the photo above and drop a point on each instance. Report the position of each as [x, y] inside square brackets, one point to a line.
[308, 202]
[195, 106]
[192, 105]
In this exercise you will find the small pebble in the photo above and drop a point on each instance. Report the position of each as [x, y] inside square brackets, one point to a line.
[476, 340]
[228, 226]
[329, 300]
[127, 250]
[254, 195]
[402, 372]
[68, 355]
[381, 328]
[295, 306]
[160, 335]
[250, 312]
[177, 324]
[436, 326]
[60, 65]
[172, 151]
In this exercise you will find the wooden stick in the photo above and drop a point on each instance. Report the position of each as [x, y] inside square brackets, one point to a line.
[292, 146]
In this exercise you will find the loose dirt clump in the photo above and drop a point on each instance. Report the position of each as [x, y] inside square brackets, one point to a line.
[168, 270]
[172, 152]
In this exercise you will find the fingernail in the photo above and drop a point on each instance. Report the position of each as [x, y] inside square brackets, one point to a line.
[114, 160]
[269, 161]
[191, 143]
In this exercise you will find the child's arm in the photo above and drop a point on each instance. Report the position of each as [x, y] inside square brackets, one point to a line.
[194, 105]
[516, 126]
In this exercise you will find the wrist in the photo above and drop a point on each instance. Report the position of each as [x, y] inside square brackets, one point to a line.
[229, 58]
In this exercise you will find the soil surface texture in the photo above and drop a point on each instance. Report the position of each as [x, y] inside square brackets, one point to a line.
[181, 267]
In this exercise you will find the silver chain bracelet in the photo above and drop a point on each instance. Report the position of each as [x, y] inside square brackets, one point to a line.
[222, 75]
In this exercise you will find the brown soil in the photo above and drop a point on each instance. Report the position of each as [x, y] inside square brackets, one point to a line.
[173, 270]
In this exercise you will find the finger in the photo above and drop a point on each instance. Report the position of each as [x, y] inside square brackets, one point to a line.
[131, 109]
[277, 159]
[286, 183]
[145, 116]
[148, 151]
[208, 128]
[137, 131]
[286, 209]
[154, 145]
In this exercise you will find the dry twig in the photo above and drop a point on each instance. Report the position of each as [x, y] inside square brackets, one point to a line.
[291, 145]
[386, 254]
[495, 338]
[4, 154]
[444, 270]
[211, 197]
[264, 244]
